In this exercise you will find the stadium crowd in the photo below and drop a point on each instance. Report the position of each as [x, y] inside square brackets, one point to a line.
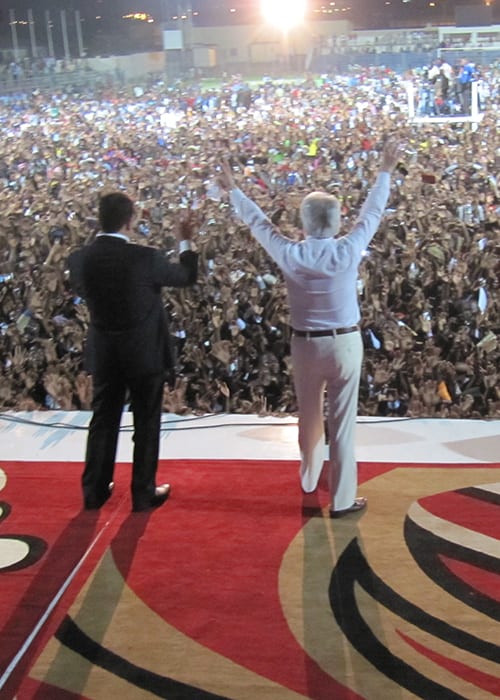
[428, 286]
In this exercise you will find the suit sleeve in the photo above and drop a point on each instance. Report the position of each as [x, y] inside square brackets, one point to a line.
[75, 267]
[181, 274]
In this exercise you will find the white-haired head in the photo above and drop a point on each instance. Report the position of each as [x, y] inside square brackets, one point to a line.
[320, 214]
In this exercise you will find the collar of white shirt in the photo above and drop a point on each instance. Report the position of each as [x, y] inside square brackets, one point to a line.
[114, 235]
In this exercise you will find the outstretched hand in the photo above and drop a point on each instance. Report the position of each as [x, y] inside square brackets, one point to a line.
[225, 178]
[391, 155]
[184, 228]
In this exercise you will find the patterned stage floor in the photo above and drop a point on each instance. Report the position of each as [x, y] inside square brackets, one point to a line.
[418, 572]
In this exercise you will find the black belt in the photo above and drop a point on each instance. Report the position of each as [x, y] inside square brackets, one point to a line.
[322, 334]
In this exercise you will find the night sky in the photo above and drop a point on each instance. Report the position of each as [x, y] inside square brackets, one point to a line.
[211, 11]
[110, 33]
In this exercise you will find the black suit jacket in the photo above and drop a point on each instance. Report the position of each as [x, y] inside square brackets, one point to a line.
[121, 284]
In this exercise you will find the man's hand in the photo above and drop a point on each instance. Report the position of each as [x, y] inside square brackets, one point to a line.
[391, 155]
[184, 229]
[225, 178]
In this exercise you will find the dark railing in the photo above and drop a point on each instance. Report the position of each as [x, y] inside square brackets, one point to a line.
[55, 81]
[479, 56]
[399, 62]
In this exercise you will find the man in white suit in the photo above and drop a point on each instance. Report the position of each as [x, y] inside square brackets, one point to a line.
[321, 273]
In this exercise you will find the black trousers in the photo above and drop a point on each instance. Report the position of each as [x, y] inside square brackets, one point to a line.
[146, 395]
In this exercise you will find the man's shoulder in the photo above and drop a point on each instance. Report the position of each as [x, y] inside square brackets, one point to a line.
[118, 247]
[123, 248]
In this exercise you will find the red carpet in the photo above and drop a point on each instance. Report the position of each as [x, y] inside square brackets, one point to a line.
[240, 587]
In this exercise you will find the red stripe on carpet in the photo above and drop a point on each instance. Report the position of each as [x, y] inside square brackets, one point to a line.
[468, 674]
[485, 582]
[464, 510]
[35, 690]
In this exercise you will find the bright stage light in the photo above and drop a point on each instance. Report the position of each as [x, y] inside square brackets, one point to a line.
[284, 14]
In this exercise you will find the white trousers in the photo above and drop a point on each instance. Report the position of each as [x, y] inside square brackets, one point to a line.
[332, 364]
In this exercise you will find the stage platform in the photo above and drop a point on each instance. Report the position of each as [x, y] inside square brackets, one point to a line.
[241, 587]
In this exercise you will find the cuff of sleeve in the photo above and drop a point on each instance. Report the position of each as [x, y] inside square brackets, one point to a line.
[184, 245]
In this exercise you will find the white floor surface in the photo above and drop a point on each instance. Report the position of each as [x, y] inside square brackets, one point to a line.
[61, 436]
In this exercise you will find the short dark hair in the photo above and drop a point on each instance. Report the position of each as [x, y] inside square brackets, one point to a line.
[115, 211]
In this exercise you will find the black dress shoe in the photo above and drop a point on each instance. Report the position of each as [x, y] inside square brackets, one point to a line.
[96, 502]
[161, 494]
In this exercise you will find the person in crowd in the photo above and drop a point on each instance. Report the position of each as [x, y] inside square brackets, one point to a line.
[467, 74]
[321, 275]
[129, 346]
[441, 76]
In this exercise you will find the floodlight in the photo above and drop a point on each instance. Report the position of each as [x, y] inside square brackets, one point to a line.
[284, 14]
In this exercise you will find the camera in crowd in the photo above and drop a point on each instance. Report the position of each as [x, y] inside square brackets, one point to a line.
[56, 234]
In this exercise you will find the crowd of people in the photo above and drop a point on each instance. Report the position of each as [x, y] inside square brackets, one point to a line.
[428, 286]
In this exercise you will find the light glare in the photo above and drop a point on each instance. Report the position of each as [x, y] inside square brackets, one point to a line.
[283, 13]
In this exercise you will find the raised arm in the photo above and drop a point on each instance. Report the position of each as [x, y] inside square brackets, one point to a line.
[185, 272]
[391, 155]
[261, 226]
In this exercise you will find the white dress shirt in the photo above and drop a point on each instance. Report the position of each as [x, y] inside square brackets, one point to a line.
[320, 273]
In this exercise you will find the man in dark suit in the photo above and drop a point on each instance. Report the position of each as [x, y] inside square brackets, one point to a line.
[128, 346]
